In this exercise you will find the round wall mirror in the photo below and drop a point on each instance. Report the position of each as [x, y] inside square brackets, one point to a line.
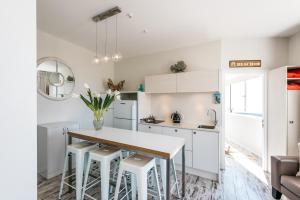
[55, 79]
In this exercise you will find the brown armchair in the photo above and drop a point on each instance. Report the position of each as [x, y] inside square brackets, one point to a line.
[283, 177]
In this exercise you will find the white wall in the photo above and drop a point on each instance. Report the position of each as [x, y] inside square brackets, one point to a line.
[272, 51]
[133, 70]
[246, 131]
[80, 60]
[204, 56]
[18, 100]
[294, 50]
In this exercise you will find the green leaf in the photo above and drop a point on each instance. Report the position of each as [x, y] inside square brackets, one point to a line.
[105, 102]
[90, 95]
[95, 103]
[100, 103]
[112, 98]
[89, 104]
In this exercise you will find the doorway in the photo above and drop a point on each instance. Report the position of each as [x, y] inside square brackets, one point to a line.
[244, 118]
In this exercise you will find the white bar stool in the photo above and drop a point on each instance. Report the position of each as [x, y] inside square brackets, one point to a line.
[81, 152]
[163, 176]
[139, 166]
[105, 156]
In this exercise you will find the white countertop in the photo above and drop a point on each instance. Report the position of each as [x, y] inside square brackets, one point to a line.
[183, 125]
[133, 140]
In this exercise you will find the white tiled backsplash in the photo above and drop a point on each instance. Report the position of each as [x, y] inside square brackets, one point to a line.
[192, 106]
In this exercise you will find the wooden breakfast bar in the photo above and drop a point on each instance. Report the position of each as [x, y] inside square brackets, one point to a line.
[159, 146]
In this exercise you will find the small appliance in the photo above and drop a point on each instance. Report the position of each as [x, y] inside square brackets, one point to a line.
[176, 117]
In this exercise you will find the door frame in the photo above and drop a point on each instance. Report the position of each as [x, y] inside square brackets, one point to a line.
[264, 72]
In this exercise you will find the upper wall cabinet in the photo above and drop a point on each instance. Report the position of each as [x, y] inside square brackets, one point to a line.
[198, 81]
[195, 81]
[165, 83]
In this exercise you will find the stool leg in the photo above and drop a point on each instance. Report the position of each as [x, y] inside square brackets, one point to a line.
[142, 186]
[119, 179]
[63, 176]
[79, 174]
[105, 172]
[126, 186]
[175, 177]
[157, 182]
[133, 186]
[87, 169]
[163, 166]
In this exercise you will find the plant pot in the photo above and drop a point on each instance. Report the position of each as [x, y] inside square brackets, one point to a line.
[98, 123]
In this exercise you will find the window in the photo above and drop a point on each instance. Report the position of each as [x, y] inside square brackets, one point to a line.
[245, 97]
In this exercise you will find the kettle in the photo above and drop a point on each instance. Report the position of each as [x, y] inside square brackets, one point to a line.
[176, 117]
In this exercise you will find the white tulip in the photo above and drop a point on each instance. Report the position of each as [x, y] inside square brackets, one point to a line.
[108, 92]
[74, 95]
[86, 86]
[116, 93]
[98, 95]
[118, 97]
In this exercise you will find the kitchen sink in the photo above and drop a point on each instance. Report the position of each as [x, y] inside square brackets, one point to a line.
[206, 126]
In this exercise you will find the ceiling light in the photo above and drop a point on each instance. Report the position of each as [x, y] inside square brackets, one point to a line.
[104, 16]
[117, 55]
[96, 59]
[106, 58]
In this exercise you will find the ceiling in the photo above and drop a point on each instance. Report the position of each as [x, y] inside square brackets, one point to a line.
[170, 23]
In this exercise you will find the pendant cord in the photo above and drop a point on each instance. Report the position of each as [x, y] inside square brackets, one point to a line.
[96, 39]
[116, 34]
[105, 37]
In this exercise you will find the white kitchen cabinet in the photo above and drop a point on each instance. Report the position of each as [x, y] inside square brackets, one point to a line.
[188, 136]
[195, 81]
[206, 151]
[51, 144]
[165, 83]
[183, 133]
[150, 128]
[198, 81]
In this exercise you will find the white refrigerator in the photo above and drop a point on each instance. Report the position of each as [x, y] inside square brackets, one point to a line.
[125, 114]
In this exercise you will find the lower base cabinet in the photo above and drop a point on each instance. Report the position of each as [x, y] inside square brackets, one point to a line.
[201, 147]
[206, 151]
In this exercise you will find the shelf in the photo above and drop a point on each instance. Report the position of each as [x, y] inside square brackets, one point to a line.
[293, 79]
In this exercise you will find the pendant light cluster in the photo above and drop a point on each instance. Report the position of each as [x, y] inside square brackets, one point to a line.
[117, 56]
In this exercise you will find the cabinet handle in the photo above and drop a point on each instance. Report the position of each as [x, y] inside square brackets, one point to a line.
[149, 126]
[194, 132]
[175, 130]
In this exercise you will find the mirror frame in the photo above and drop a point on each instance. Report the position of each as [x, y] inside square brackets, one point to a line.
[40, 61]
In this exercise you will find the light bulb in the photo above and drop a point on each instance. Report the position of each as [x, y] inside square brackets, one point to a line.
[106, 58]
[96, 60]
[116, 57]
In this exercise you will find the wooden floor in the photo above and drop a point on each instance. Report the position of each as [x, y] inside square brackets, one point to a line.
[237, 183]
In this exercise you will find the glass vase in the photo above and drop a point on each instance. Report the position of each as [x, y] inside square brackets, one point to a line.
[98, 123]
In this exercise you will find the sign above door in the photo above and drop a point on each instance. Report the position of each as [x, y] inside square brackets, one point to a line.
[244, 63]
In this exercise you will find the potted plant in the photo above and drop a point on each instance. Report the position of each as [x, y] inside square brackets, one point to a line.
[98, 105]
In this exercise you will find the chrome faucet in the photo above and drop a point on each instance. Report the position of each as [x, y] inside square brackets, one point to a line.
[215, 115]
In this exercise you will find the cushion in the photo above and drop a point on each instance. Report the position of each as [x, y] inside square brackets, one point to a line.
[291, 183]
